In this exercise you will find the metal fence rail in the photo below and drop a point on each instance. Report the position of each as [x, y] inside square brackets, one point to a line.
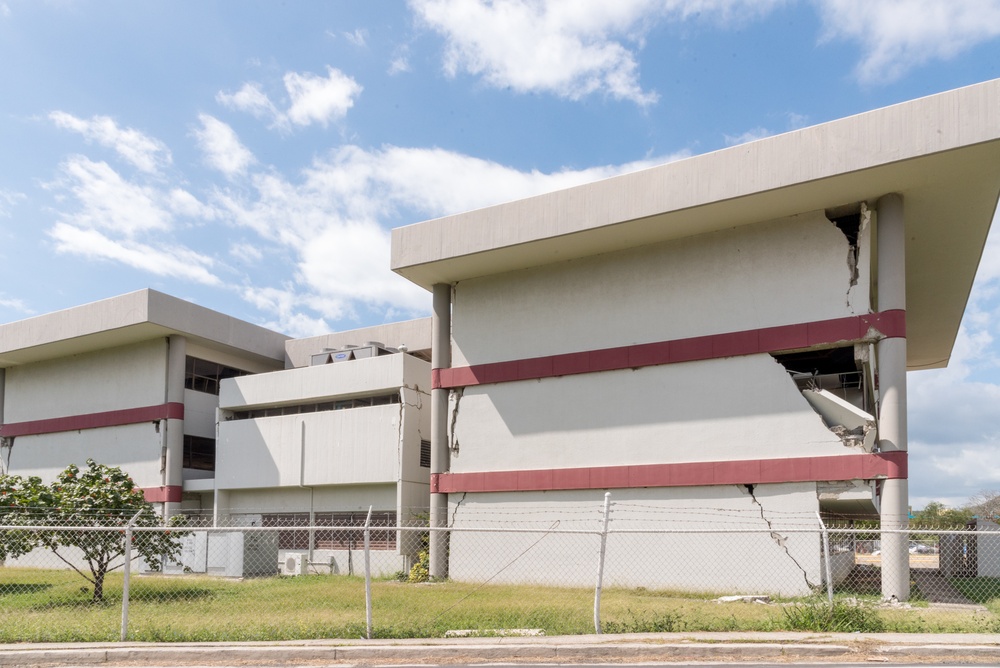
[612, 567]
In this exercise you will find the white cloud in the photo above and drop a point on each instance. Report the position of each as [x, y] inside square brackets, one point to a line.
[140, 150]
[246, 252]
[4, 10]
[748, 136]
[312, 99]
[571, 48]
[358, 38]
[285, 304]
[400, 61]
[251, 99]
[898, 35]
[173, 261]
[316, 99]
[14, 304]
[110, 217]
[222, 147]
[336, 220]
[8, 200]
[108, 201]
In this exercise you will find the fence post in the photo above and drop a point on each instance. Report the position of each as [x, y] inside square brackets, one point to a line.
[600, 564]
[128, 571]
[368, 574]
[826, 559]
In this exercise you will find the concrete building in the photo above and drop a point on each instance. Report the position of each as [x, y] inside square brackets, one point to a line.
[131, 381]
[142, 380]
[729, 332]
[345, 428]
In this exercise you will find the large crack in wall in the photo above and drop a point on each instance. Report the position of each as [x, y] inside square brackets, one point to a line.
[454, 399]
[779, 540]
[454, 513]
[852, 220]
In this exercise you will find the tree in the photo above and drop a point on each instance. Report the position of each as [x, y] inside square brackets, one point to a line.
[936, 515]
[102, 499]
[986, 504]
[21, 501]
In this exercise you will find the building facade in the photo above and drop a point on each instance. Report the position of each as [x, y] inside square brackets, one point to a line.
[729, 333]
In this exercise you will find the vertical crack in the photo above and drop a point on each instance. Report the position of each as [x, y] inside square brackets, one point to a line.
[455, 395]
[779, 540]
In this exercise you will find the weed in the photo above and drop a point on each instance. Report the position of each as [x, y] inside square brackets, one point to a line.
[841, 617]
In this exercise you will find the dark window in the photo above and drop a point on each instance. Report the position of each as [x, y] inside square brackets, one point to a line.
[335, 531]
[204, 376]
[343, 404]
[199, 453]
[425, 454]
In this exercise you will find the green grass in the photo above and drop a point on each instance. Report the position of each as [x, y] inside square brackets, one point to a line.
[985, 591]
[53, 605]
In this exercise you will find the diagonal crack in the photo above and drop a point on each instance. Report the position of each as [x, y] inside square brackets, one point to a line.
[780, 541]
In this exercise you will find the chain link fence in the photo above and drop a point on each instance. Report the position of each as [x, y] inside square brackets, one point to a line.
[582, 568]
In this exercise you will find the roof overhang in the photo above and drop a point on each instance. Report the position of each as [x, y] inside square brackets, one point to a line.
[132, 318]
[941, 153]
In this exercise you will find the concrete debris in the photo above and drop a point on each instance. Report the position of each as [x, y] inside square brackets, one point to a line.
[766, 600]
[493, 633]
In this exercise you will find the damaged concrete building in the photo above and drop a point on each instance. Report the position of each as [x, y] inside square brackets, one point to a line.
[728, 333]
[720, 342]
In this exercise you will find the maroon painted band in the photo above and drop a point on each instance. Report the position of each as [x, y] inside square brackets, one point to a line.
[117, 418]
[168, 494]
[880, 465]
[886, 324]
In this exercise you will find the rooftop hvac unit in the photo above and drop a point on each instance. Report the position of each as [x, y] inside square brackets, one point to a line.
[319, 359]
[295, 563]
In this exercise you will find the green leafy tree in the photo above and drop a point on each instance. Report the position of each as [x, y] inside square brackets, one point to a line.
[936, 515]
[22, 503]
[100, 498]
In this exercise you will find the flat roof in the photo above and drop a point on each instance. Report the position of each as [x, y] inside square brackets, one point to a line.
[131, 318]
[941, 153]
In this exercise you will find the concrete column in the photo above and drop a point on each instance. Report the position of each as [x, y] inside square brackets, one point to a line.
[440, 453]
[891, 354]
[220, 508]
[173, 436]
[3, 441]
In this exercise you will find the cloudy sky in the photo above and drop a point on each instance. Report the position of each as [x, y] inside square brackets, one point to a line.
[252, 156]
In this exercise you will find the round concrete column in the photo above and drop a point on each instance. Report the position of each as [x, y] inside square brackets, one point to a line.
[440, 453]
[173, 438]
[891, 354]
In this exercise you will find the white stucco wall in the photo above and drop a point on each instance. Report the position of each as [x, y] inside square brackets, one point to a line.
[760, 554]
[199, 413]
[125, 377]
[357, 445]
[782, 272]
[325, 382]
[715, 410]
[135, 448]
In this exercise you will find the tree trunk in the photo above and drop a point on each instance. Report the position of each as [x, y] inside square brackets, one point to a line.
[99, 584]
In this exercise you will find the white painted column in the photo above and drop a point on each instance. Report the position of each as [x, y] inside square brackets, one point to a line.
[173, 438]
[440, 453]
[3, 441]
[892, 389]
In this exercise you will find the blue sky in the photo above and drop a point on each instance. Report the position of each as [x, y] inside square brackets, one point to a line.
[252, 156]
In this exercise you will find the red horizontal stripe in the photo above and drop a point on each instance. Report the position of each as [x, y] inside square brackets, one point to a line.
[168, 411]
[167, 494]
[887, 324]
[880, 465]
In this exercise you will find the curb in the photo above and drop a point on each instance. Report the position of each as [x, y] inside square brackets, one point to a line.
[667, 648]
